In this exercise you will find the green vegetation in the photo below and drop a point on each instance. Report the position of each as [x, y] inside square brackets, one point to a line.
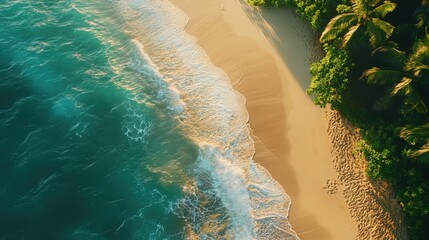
[376, 73]
[360, 20]
[406, 76]
[330, 77]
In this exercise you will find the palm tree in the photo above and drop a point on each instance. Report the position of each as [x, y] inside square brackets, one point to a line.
[363, 17]
[406, 76]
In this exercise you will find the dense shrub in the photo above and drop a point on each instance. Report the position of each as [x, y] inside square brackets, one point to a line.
[380, 151]
[318, 12]
[330, 77]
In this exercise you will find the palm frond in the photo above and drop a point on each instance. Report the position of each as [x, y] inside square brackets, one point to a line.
[386, 27]
[410, 132]
[420, 70]
[376, 35]
[392, 57]
[422, 16]
[337, 25]
[421, 50]
[419, 106]
[358, 6]
[350, 34]
[403, 86]
[422, 151]
[384, 9]
[377, 76]
[418, 64]
[413, 134]
[414, 100]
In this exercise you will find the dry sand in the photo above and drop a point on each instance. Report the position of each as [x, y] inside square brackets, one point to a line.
[266, 54]
[377, 214]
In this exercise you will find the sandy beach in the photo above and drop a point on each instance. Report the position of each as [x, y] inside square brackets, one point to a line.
[266, 54]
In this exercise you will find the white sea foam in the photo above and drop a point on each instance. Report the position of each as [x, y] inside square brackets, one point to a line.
[226, 178]
[136, 127]
[167, 93]
[230, 184]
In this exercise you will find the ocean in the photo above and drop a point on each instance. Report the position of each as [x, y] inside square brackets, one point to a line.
[114, 124]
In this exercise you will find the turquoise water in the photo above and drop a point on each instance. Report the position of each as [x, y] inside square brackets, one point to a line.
[115, 125]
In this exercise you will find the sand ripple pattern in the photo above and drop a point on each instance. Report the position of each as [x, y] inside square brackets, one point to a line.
[377, 214]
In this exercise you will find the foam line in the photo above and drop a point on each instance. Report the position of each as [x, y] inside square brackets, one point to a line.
[231, 196]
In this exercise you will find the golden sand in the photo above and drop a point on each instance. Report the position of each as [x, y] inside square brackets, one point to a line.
[266, 54]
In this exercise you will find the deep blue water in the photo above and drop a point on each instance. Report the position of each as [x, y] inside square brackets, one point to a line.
[81, 143]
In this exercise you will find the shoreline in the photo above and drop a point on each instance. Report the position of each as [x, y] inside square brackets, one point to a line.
[269, 66]
[266, 54]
